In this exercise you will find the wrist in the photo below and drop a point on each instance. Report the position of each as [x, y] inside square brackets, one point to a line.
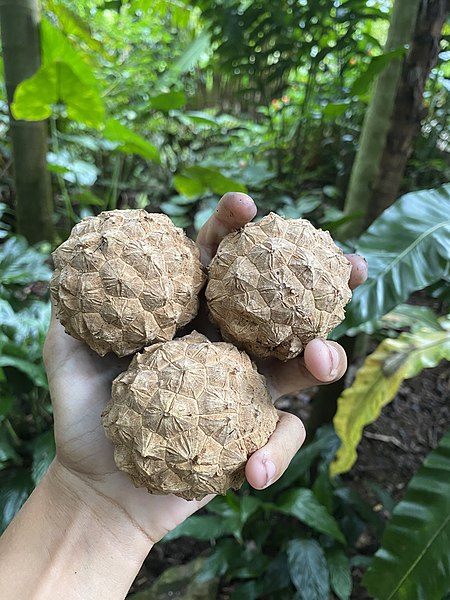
[76, 495]
[72, 543]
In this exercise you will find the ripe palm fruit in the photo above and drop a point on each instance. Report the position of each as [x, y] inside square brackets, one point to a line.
[276, 285]
[186, 415]
[125, 279]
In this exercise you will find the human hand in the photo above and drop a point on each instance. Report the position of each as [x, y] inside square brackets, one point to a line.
[80, 386]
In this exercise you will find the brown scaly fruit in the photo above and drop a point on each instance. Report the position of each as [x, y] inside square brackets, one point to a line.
[186, 415]
[125, 279]
[276, 285]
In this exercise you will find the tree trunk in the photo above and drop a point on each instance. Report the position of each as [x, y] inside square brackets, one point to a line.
[409, 108]
[19, 21]
[366, 168]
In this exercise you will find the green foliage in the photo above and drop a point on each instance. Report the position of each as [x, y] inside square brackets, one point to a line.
[308, 569]
[302, 504]
[53, 84]
[375, 67]
[413, 561]
[407, 249]
[129, 142]
[340, 574]
[266, 43]
[16, 486]
[26, 444]
[194, 181]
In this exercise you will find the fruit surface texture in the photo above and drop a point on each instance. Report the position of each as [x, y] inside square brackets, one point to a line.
[276, 285]
[186, 416]
[125, 279]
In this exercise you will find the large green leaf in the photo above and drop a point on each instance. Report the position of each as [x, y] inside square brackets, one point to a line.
[23, 331]
[56, 83]
[340, 573]
[205, 527]
[411, 317]
[407, 249]
[57, 48]
[377, 64]
[378, 380]
[129, 141]
[35, 372]
[168, 101]
[308, 570]
[21, 264]
[64, 77]
[413, 562]
[302, 504]
[72, 24]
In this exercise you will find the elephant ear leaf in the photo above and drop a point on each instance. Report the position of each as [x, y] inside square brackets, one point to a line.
[378, 380]
[414, 559]
[407, 249]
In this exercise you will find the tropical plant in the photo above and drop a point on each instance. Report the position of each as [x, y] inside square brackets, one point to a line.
[379, 378]
[26, 437]
[417, 570]
[408, 249]
[165, 105]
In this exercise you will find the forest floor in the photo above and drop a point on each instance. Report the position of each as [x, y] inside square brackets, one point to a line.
[391, 451]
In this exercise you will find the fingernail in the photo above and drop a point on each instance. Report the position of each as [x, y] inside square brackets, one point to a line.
[270, 472]
[334, 359]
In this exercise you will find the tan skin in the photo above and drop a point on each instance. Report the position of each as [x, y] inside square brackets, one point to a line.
[86, 529]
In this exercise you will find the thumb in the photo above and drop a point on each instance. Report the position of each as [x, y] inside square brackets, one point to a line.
[233, 211]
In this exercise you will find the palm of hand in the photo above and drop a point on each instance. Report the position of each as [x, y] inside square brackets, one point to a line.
[80, 386]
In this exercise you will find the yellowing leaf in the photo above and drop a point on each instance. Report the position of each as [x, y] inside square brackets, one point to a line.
[378, 380]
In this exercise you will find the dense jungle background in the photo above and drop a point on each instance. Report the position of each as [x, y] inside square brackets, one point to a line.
[336, 111]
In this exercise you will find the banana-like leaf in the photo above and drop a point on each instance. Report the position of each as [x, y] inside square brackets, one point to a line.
[378, 380]
[413, 562]
[407, 249]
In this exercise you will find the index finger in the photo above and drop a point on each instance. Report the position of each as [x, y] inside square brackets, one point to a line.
[233, 211]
